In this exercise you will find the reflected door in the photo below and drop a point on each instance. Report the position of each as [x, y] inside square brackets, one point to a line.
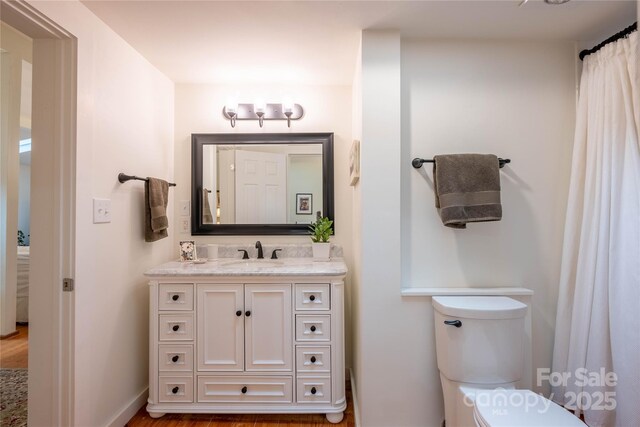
[261, 183]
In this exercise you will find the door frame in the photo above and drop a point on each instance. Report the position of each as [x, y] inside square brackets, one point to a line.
[53, 212]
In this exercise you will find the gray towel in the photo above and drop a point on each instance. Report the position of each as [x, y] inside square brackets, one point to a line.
[467, 188]
[156, 197]
[207, 218]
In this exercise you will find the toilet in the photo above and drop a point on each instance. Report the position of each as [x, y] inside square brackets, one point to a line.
[480, 350]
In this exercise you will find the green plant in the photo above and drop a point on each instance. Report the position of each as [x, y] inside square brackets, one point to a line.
[22, 240]
[321, 230]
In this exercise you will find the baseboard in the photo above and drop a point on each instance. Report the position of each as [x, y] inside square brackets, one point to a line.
[129, 410]
[356, 409]
[9, 335]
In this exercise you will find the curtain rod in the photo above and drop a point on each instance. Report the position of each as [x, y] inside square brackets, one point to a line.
[622, 34]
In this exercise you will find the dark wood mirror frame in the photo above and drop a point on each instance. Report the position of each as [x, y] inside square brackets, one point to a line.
[198, 140]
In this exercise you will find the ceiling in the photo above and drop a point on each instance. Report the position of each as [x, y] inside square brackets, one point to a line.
[316, 42]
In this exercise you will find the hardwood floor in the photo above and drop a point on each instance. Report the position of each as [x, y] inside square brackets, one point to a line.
[142, 419]
[14, 351]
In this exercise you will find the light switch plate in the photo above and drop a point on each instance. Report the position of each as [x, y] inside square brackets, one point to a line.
[185, 208]
[101, 211]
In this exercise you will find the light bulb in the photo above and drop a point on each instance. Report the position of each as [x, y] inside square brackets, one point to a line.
[287, 105]
[259, 106]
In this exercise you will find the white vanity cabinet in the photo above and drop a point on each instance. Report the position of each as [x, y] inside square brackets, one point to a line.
[246, 343]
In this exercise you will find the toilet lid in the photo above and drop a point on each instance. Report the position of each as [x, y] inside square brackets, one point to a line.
[520, 408]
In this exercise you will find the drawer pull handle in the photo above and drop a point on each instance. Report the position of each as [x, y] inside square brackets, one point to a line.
[313, 359]
[247, 313]
[175, 297]
[313, 390]
[175, 328]
[313, 328]
[175, 358]
[175, 390]
[312, 298]
[239, 313]
[244, 390]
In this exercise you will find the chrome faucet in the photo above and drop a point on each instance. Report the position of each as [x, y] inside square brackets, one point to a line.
[259, 247]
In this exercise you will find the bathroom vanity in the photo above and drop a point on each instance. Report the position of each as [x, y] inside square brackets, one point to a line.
[247, 336]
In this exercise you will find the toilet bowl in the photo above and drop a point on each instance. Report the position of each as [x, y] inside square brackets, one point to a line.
[480, 354]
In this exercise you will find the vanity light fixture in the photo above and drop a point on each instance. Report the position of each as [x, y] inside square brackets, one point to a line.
[262, 111]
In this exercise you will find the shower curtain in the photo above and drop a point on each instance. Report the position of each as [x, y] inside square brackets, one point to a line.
[598, 317]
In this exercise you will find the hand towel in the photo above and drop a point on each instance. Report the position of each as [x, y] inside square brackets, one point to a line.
[207, 218]
[467, 188]
[156, 197]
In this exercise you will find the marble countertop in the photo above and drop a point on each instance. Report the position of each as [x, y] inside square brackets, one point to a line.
[304, 266]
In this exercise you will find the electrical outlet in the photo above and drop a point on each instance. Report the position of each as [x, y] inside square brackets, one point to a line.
[184, 225]
[101, 211]
[185, 209]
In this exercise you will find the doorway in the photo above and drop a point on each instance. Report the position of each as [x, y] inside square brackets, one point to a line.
[51, 223]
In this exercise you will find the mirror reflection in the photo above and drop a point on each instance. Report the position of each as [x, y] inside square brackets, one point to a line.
[262, 183]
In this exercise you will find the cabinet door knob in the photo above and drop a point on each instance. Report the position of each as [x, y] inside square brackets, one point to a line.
[313, 328]
[175, 297]
[313, 390]
[175, 390]
[313, 359]
[312, 298]
[175, 327]
[239, 313]
[247, 313]
[244, 390]
[175, 358]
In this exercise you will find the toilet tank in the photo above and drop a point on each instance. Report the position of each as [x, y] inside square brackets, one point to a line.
[483, 339]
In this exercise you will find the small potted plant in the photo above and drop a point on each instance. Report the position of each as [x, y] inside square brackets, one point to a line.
[321, 230]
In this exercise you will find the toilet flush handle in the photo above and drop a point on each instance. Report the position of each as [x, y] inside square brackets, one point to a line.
[455, 323]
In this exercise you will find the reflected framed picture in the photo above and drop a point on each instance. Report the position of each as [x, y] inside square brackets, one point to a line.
[354, 162]
[188, 250]
[304, 203]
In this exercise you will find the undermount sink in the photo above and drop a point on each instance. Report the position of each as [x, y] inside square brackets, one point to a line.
[252, 263]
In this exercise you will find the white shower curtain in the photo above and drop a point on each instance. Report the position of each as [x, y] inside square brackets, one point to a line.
[598, 318]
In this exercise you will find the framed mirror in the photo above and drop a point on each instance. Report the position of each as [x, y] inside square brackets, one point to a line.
[260, 183]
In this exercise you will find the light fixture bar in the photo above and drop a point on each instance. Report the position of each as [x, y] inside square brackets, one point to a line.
[271, 112]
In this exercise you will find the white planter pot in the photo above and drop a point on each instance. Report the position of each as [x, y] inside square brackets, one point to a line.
[321, 251]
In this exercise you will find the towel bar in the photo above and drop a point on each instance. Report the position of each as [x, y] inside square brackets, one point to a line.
[417, 162]
[122, 177]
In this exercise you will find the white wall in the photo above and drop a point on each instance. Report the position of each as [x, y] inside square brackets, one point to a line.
[198, 109]
[16, 49]
[124, 124]
[304, 175]
[516, 100]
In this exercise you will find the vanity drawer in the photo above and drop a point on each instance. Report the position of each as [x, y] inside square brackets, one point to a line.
[313, 359]
[314, 390]
[175, 296]
[176, 327]
[230, 389]
[175, 358]
[313, 328]
[313, 297]
[175, 389]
